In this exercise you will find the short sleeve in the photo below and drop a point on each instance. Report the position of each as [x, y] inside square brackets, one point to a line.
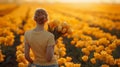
[51, 40]
[25, 38]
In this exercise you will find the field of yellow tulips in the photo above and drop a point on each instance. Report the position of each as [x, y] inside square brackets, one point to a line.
[88, 35]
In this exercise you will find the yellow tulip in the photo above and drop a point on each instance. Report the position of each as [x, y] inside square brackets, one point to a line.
[85, 58]
[104, 65]
[93, 60]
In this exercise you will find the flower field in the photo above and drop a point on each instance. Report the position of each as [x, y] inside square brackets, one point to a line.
[92, 38]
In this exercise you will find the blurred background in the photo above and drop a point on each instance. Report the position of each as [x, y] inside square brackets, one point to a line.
[62, 1]
[95, 27]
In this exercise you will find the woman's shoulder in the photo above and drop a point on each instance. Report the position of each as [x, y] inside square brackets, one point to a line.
[27, 32]
[49, 33]
[46, 33]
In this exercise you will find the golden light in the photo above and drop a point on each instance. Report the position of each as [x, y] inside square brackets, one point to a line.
[90, 1]
[64, 1]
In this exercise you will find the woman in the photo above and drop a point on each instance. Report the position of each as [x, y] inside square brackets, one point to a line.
[41, 43]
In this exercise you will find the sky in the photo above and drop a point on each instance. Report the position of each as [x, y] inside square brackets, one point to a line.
[79, 0]
[85, 1]
[67, 1]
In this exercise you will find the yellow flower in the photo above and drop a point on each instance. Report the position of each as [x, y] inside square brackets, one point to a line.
[68, 64]
[63, 53]
[70, 31]
[77, 65]
[97, 55]
[98, 49]
[93, 60]
[73, 42]
[1, 56]
[62, 66]
[64, 30]
[18, 52]
[104, 65]
[59, 28]
[112, 46]
[110, 60]
[117, 61]
[85, 51]
[104, 53]
[80, 44]
[68, 59]
[65, 25]
[90, 48]
[108, 50]
[61, 61]
[21, 38]
[62, 49]
[22, 65]
[85, 58]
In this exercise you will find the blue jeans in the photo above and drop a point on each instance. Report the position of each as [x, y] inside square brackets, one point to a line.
[35, 65]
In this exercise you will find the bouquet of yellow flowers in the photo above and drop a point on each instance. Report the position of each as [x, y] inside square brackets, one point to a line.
[59, 28]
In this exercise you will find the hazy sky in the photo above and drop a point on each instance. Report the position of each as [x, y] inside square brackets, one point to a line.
[79, 0]
[68, 1]
[88, 1]
[85, 1]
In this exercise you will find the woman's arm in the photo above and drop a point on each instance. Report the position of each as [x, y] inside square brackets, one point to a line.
[50, 48]
[27, 51]
[49, 53]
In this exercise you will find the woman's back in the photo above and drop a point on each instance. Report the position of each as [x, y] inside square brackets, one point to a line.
[38, 41]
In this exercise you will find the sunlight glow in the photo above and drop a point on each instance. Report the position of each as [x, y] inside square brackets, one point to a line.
[90, 1]
[79, 0]
[64, 1]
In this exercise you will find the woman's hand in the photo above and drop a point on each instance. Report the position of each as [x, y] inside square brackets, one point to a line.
[49, 53]
[27, 51]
